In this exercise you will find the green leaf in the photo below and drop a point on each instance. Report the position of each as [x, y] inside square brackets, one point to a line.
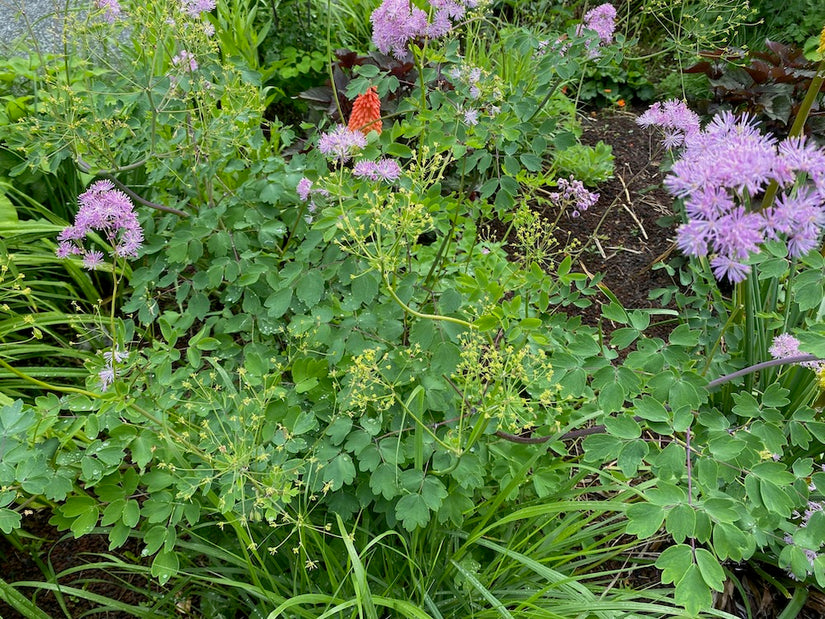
[651, 409]
[681, 522]
[730, 542]
[684, 336]
[384, 480]
[711, 571]
[775, 396]
[631, 456]
[310, 288]
[611, 399]
[644, 519]
[692, 592]
[774, 499]
[674, 562]
[9, 520]
[340, 471]
[165, 565]
[412, 511]
[623, 426]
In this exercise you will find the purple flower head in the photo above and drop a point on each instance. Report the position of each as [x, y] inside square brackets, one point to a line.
[602, 19]
[111, 9]
[394, 24]
[304, 188]
[92, 259]
[678, 122]
[106, 210]
[786, 345]
[572, 194]
[186, 61]
[383, 169]
[195, 7]
[340, 143]
[471, 117]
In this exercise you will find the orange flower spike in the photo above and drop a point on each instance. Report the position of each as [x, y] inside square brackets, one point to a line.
[366, 112]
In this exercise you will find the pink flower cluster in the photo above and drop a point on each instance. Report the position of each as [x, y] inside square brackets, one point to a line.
[572, 194]
[381, 170]
[340, 143]
[677, 121]
[786, 345]
[397, 22]
[106, 210]
[722, 169]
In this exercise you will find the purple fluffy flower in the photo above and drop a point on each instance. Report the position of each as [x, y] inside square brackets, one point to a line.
[602, 19]
[340, 143]
[92, 260]
[111, 9]
[676, 120]
[106, 210]
[471, 117]
[383, 169]
[186, 61]
[572, 194]
[786, 345]
[304, 188]
[394, 24]
[195, 7]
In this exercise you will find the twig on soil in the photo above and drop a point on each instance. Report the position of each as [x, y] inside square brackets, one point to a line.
[628, 209]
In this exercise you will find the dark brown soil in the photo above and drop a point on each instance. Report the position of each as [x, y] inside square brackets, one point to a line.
[58, 552]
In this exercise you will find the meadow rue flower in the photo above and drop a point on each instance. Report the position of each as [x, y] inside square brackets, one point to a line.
[677, 120]
[340, 143]
[572, 194]
[111, 9]
[366, 112]
[602, 20]
[471, 117]
[106, 210]
[304, 187]
[107, 374]
[186, 61]
[786, 345]
[195, 7]
[394, 24]
[722, 169]
[383, 169]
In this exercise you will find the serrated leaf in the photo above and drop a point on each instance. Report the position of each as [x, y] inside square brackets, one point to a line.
[9, 520]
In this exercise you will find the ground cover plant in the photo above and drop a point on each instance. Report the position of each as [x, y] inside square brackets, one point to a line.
[349, 367]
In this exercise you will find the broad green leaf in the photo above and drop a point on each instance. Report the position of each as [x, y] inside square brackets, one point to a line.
[644, 519]
[9, 520]
[681, 522]
[692, 591]
[412, 511]
[622, 426]
[711, 571]
[674, 562]
[651, 409]
[165, 565]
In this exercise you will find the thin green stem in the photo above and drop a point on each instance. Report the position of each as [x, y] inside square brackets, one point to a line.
[409, 310]
[49, 386]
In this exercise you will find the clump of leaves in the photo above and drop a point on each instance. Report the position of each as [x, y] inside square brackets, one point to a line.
[769, 84]
[352, 73]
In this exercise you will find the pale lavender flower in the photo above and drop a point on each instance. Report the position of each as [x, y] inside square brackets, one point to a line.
[383, 169]
[304, 188]
[394, 24]
[195, 7]
[602, 19]
[107, 377]
[572, 194]
[106, 210]
[786, 345]
[471, 117]
[676, 120]
[111, 9]
[726, 267]
[92, 259]
[186, 61]
[340, 143]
